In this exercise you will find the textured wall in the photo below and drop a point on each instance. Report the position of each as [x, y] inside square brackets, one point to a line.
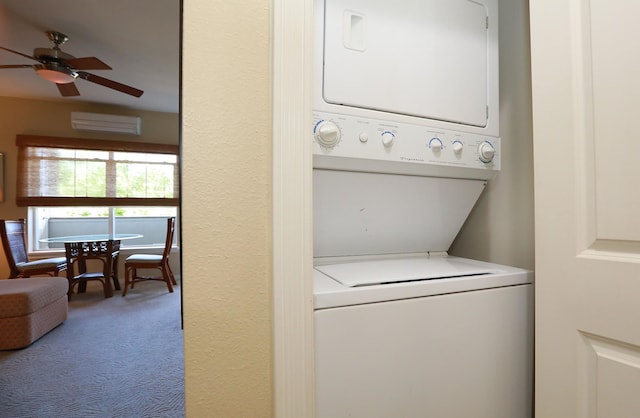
[227, 208]
[500, 228]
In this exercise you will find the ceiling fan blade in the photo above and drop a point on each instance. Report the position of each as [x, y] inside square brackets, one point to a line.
[68, 89]
[17, 66]
[19, 53]
[87, 63]
[110, 83]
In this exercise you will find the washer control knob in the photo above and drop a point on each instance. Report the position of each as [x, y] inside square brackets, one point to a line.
[457, 147]
[387, 138]
[363, 137]
[486, 152]
[327, 133]
[436, 145]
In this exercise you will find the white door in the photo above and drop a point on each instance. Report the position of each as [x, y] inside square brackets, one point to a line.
[586, 111]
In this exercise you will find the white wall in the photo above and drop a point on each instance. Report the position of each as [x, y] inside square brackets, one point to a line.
[500, 227]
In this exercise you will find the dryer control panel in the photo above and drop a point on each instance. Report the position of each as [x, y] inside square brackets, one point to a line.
[361, 144]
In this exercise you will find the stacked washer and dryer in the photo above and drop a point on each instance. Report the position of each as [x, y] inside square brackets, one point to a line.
[405, 140]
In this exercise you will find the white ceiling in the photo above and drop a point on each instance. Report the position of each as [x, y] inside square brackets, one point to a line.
[139, 39]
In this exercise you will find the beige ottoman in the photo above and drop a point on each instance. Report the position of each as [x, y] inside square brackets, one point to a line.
[29, 308]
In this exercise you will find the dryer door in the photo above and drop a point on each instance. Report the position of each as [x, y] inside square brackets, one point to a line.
[425, 58]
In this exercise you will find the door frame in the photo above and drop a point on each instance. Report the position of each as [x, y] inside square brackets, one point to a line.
[293, 363]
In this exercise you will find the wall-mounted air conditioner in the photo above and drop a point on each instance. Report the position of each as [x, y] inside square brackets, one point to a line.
[106, 123]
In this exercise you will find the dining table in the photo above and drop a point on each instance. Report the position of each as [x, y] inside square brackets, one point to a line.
[91, 237]
[95, 240]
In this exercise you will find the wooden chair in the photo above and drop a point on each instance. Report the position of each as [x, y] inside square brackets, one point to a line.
[151, 261]
[83, 258]
[15, 247]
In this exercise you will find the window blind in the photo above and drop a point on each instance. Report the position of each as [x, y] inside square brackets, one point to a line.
[56, 171]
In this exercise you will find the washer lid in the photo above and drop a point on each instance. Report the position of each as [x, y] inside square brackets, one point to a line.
[373, 214]
[385, 271]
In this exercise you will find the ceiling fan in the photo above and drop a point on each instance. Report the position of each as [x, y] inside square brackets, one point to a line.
[63, 69]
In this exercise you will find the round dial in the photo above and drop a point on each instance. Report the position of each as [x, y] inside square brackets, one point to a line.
[387, 138]
[486, 152]
[435, 144]
[327, 133]
[457, 147]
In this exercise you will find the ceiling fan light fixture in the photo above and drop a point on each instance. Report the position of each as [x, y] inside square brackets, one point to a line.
[56, 75]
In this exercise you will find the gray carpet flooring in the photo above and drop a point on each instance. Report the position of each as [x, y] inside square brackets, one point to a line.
[115, 357]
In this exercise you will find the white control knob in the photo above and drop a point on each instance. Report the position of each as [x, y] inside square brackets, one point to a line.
[327, 133]
[387, 138]
[486, 152]
[363, 137]
[457, 147]
[436, 145]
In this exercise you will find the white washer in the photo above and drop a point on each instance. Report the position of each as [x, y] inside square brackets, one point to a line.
[452, 347]
[401, 328]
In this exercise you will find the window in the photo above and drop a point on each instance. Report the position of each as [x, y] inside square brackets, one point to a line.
[79, 187]
[52, 221]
